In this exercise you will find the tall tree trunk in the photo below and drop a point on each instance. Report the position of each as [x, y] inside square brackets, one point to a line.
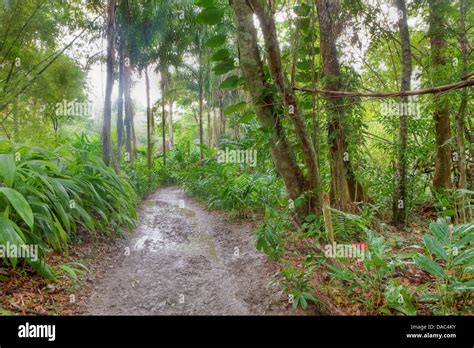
[272, 48]
[149, 129]
[127, 80]
[163, 112]
[327, 12]
[106, 140]
[442, 174]
[201, 132]
[252, 69]
[464, 213]
[170, 123]
[120, 106]
[314, 115]
[134, 136]
[209, 127]
[461, 115]
[399, 199]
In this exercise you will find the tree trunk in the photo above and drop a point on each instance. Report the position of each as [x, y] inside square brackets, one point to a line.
[128, 113]
[149, 129]
[120, 106]
[170, 123]
[163, 113]
[272, 48]
[442, 174]
[327, 11]
[209, 127]
[464, 213]
[461, 115]
[314, 115]
[106, 140]
[399, 197]
[252, 69]
[201, 132]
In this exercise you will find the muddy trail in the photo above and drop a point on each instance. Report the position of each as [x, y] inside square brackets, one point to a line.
[185, 260]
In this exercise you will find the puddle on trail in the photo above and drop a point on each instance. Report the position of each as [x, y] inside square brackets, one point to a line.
[156, 236]
[199, 244]
[188, 212]
[206, 244]
[155, 243]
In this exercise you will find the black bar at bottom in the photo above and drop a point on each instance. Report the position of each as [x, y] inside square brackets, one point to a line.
[141, 330]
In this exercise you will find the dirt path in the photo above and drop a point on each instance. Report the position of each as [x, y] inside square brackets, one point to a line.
[186, 260]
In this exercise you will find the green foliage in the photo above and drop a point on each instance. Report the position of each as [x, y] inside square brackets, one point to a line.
[141, 179]
[399, 298]
[54, 194]
[296, 283]
[450, 260]
[241, 190]
[209, 16]
[235, 108]
[377, 265]
[216, 41]
[270, 233]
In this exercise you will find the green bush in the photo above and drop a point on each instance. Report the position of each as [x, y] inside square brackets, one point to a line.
[450, 259]
[48, 196]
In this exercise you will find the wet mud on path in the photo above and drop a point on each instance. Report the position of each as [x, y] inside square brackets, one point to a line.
[185, 260]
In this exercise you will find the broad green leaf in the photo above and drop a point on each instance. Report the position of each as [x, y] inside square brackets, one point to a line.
[42, 268]
[216, 41]
[429, 266]
[220, 55]
[230, 82]
[462, 229]
[435, 247]
[20, 204]
[248, 116]
[467, 258]
[10, 233]
[440, 230]
[7, 169]
[70, 270]
[462, 286]
[210, 16]
[224, 67]
[235, 108]
[465, 240]
[204, 3]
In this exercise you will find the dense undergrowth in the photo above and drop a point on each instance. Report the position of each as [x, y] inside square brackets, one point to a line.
[426, 269]
[48, 196]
